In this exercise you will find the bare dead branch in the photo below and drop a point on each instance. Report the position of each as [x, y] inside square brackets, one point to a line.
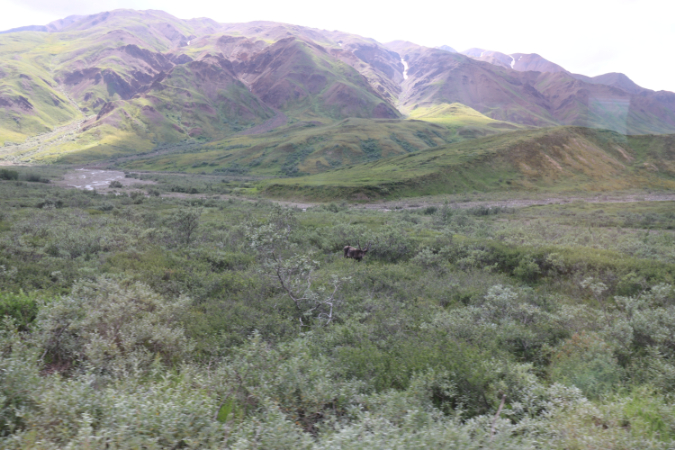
[494, 421]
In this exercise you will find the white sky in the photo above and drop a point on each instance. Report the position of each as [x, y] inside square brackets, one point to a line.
[590, 37]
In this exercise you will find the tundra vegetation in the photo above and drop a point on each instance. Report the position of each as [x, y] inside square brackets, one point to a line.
[133, 319]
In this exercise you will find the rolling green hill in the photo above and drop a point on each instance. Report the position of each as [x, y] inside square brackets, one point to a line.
[465, 121]
[303, 148]
[554, 159]
[311, 147]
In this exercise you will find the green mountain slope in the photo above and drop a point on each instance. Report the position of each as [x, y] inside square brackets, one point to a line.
[465, 121]
[150, 79]
[303, 148]
[311, 147]
[564, 158]
[31, 102]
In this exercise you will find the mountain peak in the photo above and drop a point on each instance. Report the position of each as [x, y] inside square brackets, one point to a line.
[447, 48]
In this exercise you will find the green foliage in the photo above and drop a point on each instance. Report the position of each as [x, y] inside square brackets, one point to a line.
[21, 308]
[260, 333]
[34, 178]
[527, 270]
[122, 413]
[649, 415]
[7, 174]
[290, 167]
[225, 410]
[19, 378]
[585, 361]
[293, 269]
[525, 160]
[185, 223]
[113, 326]
[371, 149]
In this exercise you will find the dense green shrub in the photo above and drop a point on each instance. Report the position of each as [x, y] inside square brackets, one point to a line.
[587, 362]
[7, 174]
[33, 178]
[21, 308]
[113, 326]
[19, 379]
[122, 331]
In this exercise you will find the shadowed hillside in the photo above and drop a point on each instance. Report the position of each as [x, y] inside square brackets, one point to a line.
[558, 159]
[311, 147]
[303, 148]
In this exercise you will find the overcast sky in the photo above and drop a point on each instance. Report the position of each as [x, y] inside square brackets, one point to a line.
[590, 37]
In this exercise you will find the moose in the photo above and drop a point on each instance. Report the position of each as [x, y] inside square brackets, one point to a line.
[356, 253]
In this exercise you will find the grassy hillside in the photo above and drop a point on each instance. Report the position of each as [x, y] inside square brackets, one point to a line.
[464, 121]
[300, 147]
[30, 101]
[315, 147]
[564, 158]
[147, 83]
[304, 148]
[41, 68]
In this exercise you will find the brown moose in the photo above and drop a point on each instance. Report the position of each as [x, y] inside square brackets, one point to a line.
[356, 253]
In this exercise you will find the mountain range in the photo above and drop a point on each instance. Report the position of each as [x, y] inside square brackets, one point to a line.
[128, 82]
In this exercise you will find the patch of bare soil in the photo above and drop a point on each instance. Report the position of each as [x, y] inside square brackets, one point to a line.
[94, 179]
[289, 204]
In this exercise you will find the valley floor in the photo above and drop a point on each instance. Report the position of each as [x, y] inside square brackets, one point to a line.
[100, 179]
[180, 311]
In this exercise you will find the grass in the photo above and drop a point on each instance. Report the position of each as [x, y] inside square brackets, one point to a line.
[27, 78]
[312, 147]
[557, 159]
[463, 119]
[303, 147]
[639, 214]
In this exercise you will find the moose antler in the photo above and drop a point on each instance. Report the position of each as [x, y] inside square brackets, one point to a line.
[356, 253]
